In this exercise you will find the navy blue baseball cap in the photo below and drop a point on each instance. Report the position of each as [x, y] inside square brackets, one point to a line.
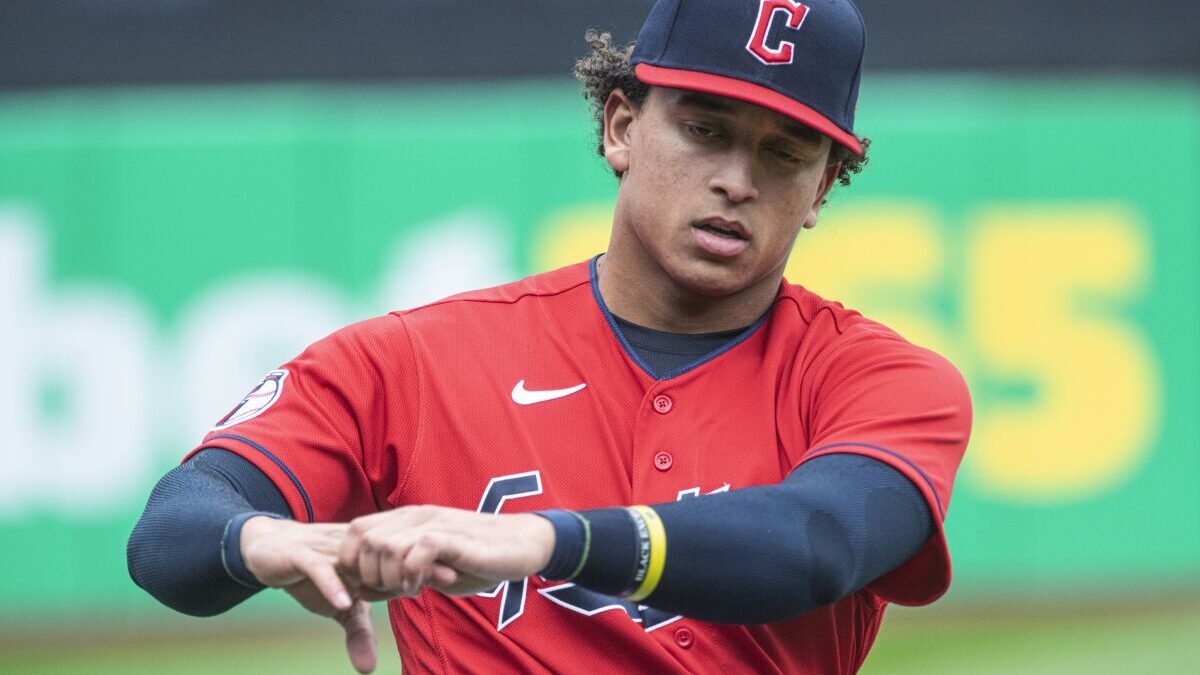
[800, 59]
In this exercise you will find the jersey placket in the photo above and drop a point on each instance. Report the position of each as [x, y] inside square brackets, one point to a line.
[663, 468]
[660, 463]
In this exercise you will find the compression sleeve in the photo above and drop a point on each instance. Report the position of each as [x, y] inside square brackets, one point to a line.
[184, 549]
[755, 555]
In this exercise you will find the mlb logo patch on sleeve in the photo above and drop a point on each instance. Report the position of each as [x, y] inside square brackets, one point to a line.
[262, 396]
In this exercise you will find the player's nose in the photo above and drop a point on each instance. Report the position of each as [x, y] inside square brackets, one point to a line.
[734, 177]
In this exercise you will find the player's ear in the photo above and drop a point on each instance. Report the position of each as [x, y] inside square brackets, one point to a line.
[619, 113]
[828, 177]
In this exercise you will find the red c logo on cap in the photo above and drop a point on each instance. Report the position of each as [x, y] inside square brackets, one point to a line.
[767, 9]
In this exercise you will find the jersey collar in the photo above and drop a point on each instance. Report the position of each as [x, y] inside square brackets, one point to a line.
[632, 353]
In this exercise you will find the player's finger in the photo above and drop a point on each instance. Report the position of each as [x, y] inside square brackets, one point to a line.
[360, 636]
[442, 576]
[391, 568]
[393, 571]
[320, 570]
[378, 559]
[451, 549]
[351, 546]
[368, 568]
[360, 533]
[418, 564]
[384, 522]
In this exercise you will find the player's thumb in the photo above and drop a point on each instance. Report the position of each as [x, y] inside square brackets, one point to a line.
[360, 636]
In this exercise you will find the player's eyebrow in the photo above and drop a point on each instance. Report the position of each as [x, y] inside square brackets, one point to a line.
[803, 134]
[693, 99]
[717, 104]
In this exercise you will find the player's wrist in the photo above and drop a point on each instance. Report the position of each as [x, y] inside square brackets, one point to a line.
[571, 546]
[615, 551]
[238, 545]
[541, 536]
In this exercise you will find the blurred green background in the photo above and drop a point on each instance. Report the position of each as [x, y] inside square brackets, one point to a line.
[993, 224]
[161, 247]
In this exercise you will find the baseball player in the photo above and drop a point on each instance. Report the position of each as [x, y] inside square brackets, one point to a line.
[667, 458]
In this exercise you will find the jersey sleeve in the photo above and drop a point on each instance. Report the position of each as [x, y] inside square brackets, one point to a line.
[331, 427]
[888, 399]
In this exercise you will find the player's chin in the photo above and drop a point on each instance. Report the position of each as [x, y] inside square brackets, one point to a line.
[714, 278]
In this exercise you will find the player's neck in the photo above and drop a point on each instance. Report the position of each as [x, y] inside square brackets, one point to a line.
[645, 295]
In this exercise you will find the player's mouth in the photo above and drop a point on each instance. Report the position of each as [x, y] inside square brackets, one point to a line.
[720, 237]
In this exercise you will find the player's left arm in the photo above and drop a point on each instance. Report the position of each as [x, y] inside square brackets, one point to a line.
[765, 553]
[753, 555]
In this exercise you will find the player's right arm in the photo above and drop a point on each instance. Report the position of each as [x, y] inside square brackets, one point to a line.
[328, 432]
[185, 549]
[214, 532]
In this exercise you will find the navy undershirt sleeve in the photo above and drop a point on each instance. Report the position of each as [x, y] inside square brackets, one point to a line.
[183, 550]
[760, 554]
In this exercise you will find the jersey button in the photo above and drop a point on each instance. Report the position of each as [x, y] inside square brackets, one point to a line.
[663, 404]
[684, 637]
[663, 460]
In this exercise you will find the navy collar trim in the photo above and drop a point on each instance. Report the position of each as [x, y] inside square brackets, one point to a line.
[632, 353]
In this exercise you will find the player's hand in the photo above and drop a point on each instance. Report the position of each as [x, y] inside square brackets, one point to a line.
[301, 559]
[454, 551]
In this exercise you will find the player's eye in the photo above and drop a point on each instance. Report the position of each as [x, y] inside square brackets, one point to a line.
[785, 156]
[700, 130]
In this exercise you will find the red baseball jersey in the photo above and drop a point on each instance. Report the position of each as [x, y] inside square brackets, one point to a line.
[525, 397]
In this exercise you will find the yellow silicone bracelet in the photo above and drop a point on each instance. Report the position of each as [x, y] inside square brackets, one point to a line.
[658, 553]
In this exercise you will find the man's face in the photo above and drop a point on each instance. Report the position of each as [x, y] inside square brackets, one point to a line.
[714, 190]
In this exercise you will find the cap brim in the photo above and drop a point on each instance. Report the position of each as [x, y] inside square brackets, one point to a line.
[745, 91]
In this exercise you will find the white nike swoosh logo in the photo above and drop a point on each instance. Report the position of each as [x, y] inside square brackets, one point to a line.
[522, 396]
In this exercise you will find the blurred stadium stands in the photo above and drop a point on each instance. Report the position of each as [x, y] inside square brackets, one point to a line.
[53, 43]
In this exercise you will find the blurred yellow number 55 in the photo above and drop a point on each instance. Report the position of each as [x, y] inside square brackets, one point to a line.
[1042, 304]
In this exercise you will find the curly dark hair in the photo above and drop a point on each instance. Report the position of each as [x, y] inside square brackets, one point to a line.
[608, 68]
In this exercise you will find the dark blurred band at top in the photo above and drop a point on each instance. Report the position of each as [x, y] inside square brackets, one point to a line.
[51, 43]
